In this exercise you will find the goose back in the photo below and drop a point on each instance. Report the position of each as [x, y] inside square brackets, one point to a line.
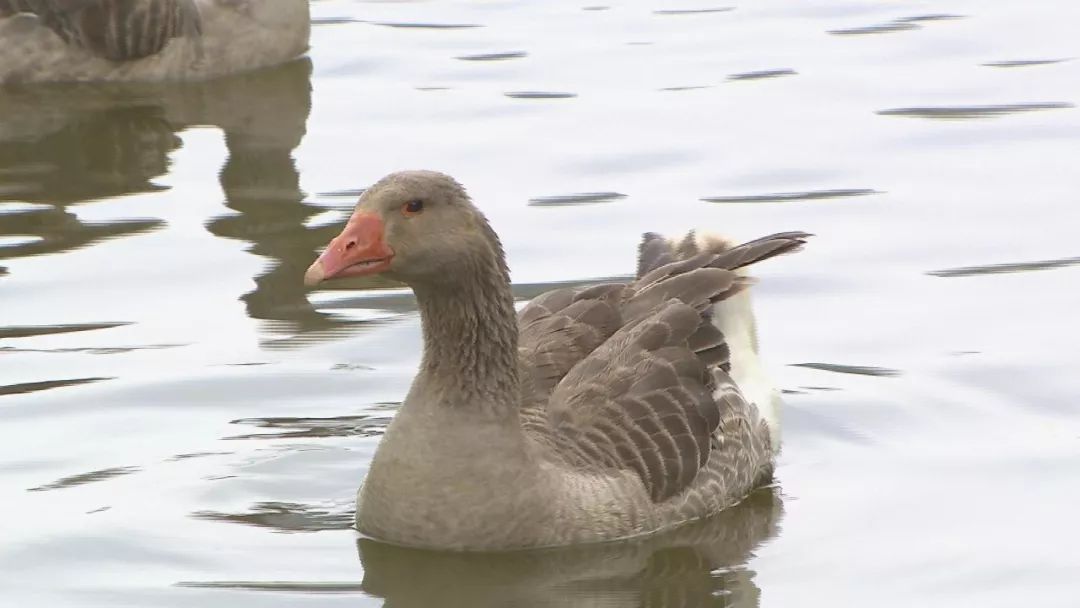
[147, 40]
[635, 376]
[117, 30]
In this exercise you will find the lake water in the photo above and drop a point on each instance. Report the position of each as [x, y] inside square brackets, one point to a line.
[183, 423]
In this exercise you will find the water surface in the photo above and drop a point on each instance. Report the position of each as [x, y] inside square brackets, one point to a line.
[183, 423]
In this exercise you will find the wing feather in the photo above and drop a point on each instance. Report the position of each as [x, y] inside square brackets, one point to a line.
[634, 376]
[118, 30]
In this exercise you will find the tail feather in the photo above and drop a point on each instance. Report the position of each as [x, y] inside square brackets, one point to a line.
[730, 340]
[654, 252]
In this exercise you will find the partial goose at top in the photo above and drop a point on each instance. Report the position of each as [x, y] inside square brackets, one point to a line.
[146, 40]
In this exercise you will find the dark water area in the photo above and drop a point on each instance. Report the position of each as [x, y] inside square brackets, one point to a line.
[182, 422]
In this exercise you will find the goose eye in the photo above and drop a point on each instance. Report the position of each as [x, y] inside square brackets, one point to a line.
[412, 208]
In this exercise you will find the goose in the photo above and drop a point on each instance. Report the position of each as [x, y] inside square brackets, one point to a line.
[593, 414]
[146, 40]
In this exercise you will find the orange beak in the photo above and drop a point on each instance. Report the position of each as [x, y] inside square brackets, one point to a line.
[359, 250]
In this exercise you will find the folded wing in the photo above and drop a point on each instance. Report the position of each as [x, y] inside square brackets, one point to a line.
[634, 376]
[118, 30]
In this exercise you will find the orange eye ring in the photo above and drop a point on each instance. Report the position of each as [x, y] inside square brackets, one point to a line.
[413, 207]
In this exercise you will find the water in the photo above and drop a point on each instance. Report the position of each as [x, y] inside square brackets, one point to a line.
[183, 423]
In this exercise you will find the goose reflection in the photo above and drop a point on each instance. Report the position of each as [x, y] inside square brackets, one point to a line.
[699, 565]
[67, 145]
[57, 152]
[264, 116]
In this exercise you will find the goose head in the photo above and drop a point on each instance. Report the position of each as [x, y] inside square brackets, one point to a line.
[417, 227]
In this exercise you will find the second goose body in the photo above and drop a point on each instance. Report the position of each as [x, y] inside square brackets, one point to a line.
[146, 40]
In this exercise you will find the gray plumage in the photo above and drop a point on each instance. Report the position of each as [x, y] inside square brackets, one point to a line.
[623, 376]
[593, 414]
[696, 566]
[118, 30]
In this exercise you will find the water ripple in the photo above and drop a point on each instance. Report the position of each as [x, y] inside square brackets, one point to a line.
[333, 20]
[782, 197]
[584, 198]
[967, 112]
[190, 455]
[285, 586]
[493, 56]
[96, 350]
[931, 17]
[693, 11]
[540, 94]
[884, 28]
[427, 26]
[26, 331]
[758, 75]
[692, 87]
[85, 478]
[896, 25]
[287, 517]
[346, 193]
[969, 271]
[33, 387]
[862, 370]
[364, 425]
[1023, 63]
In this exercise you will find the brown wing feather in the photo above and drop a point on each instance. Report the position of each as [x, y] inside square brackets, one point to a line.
[634, 402]
[623, 376]
[118, 30]
[556, 331]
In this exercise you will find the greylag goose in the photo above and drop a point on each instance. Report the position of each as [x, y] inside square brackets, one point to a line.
[146, 40]
[592, 414]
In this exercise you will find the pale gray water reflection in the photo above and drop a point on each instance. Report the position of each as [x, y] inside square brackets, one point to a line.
[316, 21]
[84, 478]
[33, 387]
[494, 56]
[540, 95]
[863, 370]
[883, 28]
[964, 112]
[28, 331]
[693, 11]
[897, 25]
[286, 517]
[968, 271]
[763, 74]
[363, 425]
[186, 411]
[427, 26]
[1023, 63]
[584, 198]
[693, 87]
[781, 197]
[67, 144]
